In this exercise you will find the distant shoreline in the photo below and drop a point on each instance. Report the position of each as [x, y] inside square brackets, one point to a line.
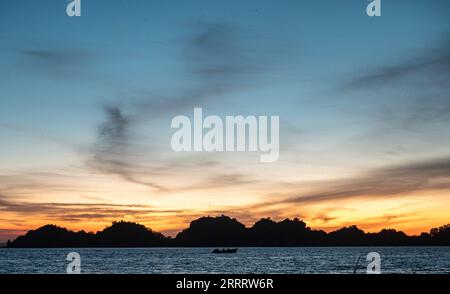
[212, 247]
[224, 231]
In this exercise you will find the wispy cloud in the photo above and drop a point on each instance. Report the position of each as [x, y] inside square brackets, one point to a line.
[417, 88]
[385, 182]
[111, 154]
[80, 211]
[433, 61]
[53, 56]
[54, 60]
[218, 63]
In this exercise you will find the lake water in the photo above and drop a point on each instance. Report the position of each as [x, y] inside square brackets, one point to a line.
[248, 260]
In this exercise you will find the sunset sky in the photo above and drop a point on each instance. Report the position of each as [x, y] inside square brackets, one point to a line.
[86, 105]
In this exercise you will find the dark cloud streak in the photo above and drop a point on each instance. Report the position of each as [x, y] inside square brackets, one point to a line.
[218, 61]
[54, 61]
[434, 61]
[418, 89]
[111, 154]
[385, 182]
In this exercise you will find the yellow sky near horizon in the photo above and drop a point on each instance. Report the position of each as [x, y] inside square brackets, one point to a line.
[169, 212]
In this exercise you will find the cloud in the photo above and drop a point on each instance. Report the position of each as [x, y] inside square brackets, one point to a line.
[218, 62]
[215, 52]
[111, 154]
[218, 180]
[80, 211]
[412, 92]
[322, 217]
[385, 182]
[114, 130]
[436, 61]
[9, 234]
[52, 56]
[375, 223]
[54, 60]
[114, 154]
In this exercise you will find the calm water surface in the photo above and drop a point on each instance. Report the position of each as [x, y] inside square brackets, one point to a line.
[248, 260]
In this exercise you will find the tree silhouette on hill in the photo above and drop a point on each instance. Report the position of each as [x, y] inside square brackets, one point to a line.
[213, 231]
[128, 234]
[441, 235]
[53, 236]
[267, 232]
[348, 236]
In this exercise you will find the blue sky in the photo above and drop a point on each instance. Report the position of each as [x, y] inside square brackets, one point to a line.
[353, 93]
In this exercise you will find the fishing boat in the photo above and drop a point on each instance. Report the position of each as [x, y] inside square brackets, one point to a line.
[231, 250]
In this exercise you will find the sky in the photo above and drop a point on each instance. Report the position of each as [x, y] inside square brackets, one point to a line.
[86, 105]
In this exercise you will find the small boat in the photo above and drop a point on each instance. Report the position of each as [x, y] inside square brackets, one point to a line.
[234, 250]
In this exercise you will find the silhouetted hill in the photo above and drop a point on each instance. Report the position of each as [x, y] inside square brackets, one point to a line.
[441, 235]
[224, 231]
[213, 231]
[119, 234]
[266, 232]
[390, 236]
[349, 236]
[53, 236]
[126, 234]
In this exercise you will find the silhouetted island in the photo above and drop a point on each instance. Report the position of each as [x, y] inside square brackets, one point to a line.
[224, 231]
